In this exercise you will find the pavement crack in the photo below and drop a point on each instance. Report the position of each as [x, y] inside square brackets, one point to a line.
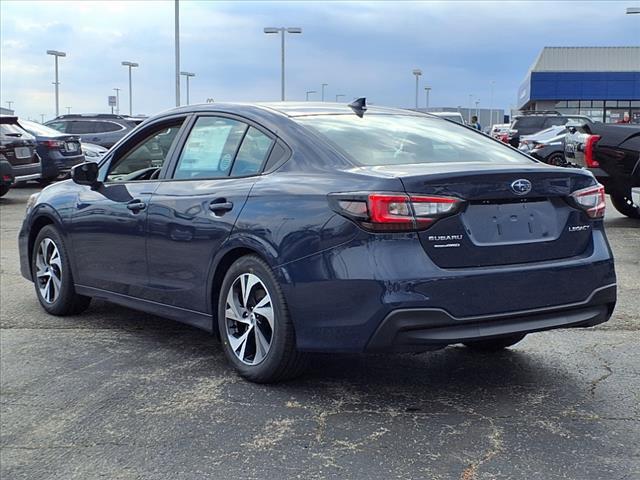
[496, 447]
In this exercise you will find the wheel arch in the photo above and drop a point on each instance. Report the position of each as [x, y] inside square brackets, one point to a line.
[41, 220]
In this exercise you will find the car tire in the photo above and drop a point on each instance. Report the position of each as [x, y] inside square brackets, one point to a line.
[4, 189]
[495, 344]
[50, 264]
[255, 327]
[556, 159]
[625, 205]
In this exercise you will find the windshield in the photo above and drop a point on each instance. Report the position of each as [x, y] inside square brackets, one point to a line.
[39, 130]
[375, 140]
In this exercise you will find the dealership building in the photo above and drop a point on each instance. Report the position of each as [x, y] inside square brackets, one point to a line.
[600, 82]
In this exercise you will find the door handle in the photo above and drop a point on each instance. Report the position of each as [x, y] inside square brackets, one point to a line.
[220, 205]
[136, 205]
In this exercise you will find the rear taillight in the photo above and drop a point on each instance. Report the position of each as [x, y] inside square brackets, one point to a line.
[385, 212]
[51, 144]
[589, 158]
[591, 200]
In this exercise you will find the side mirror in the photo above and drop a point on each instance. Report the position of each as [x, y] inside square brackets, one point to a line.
[85, 174]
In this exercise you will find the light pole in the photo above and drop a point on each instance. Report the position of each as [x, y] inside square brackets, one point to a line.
[417, 72]
[491, 105]
[323, 85]
[309, 92]
[187, 75]
[177, 54]
[68, 110]
[340, 95]
[42, 118]
[130, 65]
[117, 90]
[469, 112]
[477, 103]
[57, 54]
[9, 103]
[282, 31]
[427, 90]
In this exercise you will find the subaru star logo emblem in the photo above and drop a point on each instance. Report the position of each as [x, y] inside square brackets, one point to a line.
[521, 186]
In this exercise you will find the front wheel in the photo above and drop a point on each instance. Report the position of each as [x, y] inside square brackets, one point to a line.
[51, 273]
[624, 204]
[256, 330]
[556, 159]
[495, 344]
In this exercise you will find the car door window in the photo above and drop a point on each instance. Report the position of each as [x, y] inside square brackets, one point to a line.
[210, 148]
[59, 126]
[81, 127]
[104, 127]
[145, 160]
[252, 153]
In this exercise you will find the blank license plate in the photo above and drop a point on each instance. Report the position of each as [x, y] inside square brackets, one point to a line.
[72, 147]
[23, 152]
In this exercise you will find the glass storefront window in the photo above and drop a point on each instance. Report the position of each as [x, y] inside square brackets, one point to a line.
[598, 103]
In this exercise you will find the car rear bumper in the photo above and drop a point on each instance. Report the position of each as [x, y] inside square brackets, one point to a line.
[340, 298]
[406, 330]
[23, 173]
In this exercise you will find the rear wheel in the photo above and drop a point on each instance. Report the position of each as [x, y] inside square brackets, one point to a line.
[51, 273]
[624, 204]
[495, 344]
[556, 159]
[256, 330]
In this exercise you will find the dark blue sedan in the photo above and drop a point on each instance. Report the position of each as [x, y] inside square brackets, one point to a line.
[295, 228]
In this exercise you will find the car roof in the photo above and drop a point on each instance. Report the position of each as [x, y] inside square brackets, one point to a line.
[286, 109]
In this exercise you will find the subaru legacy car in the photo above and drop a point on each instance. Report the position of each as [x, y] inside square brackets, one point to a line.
[292, 228]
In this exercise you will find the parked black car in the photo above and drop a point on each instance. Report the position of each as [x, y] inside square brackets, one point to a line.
[18, 150]
[103, 129]
[532, 122]
[58, 152]
[550, 151]
[612, 154]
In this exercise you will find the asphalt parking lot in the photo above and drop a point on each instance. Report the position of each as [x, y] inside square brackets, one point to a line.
[118, 394]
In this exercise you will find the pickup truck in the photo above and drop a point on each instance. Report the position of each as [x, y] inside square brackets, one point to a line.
[612, 154]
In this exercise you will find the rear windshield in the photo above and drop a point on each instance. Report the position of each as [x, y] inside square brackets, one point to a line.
[13, 131]
[38, 129]
[376, 140]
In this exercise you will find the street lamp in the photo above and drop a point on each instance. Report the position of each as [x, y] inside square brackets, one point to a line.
[340, 95]
[117, 90]
[9, 103]
[130, 65]
[176, 18]
[57, 54]
[187, 75]
[491, 105]
[477, 103]
[469, 112]
[417, 72]
[309, 92]
[323, 85]
[68, 110]
[427, 90]
[282, 31]
[42, 118]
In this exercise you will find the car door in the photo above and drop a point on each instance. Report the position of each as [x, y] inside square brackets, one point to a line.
[192, 213]
[109, 221]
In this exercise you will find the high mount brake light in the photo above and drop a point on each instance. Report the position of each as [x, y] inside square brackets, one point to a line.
[386, 212]
[591, 200]
[589, 158]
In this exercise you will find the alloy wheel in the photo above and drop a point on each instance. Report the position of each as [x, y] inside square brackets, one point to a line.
[48, 270]
[249, 319]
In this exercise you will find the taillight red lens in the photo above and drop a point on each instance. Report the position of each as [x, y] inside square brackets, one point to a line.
[53, 144]
[591, 200]
[396, 211]
[589, 157]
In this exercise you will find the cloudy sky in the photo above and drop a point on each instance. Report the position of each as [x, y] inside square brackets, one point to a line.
[358, 48]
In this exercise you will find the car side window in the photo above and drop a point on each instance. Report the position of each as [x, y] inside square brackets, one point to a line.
[210, 148]
[81, 127]
[145, 160]
[252, 153]
[59, 126]
[104, 127]
[554, 121]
